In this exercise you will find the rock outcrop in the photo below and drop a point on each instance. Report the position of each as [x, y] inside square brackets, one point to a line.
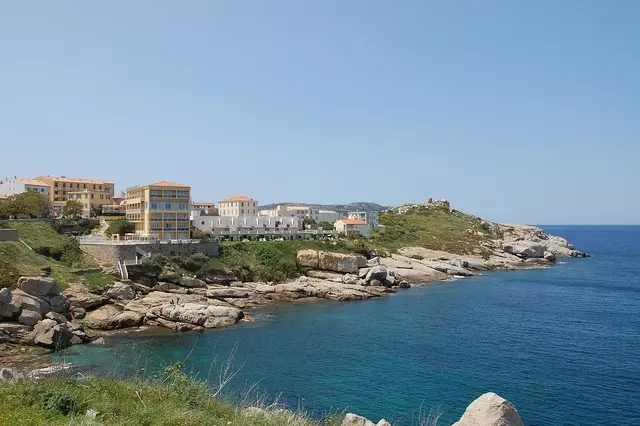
[80, 297]
[193, 316]
[120, 291]
[112, 317]
[354, 420]
[490, 409]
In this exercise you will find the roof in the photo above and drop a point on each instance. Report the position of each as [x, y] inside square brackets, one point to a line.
[166, 183]
[327, 211]
[297, 208]
[32, 182]
[238, 198]
[74, 180]
[3, 197]
[202, 204]
[353, 221]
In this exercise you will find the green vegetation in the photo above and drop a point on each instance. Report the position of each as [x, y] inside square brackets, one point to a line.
[97, 282]
[433, 228]
[27, 205]
[52, 252]
[176, 400]
[120, 227]
[75, 226]
[72, 208]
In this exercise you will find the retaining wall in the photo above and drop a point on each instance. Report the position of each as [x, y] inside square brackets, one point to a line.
[8, 235]
[110, 254]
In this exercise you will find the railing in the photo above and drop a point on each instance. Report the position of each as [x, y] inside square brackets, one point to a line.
[106, 241]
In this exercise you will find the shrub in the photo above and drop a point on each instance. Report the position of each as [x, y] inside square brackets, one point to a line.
[195, 262]
[71, 252]
[120, 227]
[154, 265]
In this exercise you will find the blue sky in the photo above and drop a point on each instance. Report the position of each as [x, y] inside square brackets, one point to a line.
[523, 111]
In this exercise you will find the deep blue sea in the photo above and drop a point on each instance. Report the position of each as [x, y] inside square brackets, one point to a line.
[563, 344]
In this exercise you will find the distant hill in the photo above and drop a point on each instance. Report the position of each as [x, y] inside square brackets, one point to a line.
[340, 208]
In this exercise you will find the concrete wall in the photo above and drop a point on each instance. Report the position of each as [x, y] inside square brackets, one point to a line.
[8, 235]
[110, 254]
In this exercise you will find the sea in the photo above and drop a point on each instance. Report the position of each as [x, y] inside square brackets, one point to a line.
[561, 343]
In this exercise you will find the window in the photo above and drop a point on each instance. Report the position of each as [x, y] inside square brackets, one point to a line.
[182, 206]
[242, 211]
[108, 197]
[92, 196]
[101, 196]
[86, 196]
[154, 206]
[167, 206]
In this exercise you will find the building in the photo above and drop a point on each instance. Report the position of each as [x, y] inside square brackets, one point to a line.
[249, 223]
[301, 212]
[94, 201]
[61, 186]
[203, 209]
[18, 185]
[352, 227]
[238, 205]
[160, 209]
[371, 217]
[327, 216]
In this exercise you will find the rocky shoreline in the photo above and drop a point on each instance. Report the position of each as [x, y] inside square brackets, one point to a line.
[38, 313]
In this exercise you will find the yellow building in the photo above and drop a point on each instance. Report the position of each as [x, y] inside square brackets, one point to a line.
[61, 186]
[160, 209]
[92, 200]
[238, 205]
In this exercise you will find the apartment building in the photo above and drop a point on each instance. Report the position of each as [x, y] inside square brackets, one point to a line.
[238, 205]
[160, 209]
[352, 227]
[371, 217]
[16, 185]
[327, 216]
[200, 208]
[61, 186]
[245, 223]
[94, 201]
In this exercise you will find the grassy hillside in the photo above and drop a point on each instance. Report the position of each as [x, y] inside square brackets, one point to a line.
[50, 250]
[174, 401]
[435, 229]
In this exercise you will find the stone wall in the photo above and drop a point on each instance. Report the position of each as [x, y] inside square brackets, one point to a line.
[111, 253]
[8, 235]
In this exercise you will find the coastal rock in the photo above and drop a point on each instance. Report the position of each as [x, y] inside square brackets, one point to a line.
[80, 297]
[112, 317]
[308, 258]
[362, 261]
[9, 375]
[21, 301]
[170, 288]
[490, 409]
[362, 273]
[525, 249]
[58, 303]
[350, 279]
[378, 273]
[29, 317]
[192, 282]
[374, 261]
[59, 318]
[354, 420]
[206, 316]
[39, 286]
[157, 298]
[226, 293]
[51, 335]
[120, 291]
[549, 256]
[338, 262]
[375, 283]
[78, 313]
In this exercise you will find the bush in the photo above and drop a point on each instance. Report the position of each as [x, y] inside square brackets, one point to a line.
[120, 227]
[195, 262]
[154, 265]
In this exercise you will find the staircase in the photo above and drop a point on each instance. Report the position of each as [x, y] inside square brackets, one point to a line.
[104, 225]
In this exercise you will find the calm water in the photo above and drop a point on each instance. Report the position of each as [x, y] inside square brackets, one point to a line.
[563, 344]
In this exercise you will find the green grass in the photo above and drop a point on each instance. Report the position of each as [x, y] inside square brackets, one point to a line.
[435, 229]
[97, 282]
[17, 260]
[177, 401]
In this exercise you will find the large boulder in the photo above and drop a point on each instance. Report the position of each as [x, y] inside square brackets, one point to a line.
[120, 291]
[80, 297]
[338, 262]
[192, 282]
[490, 409]
[355, 420]
[226, 293]
[111, 317]
[377, 273]
[525, 249]
[159, 298]
[51, 335]
[29, 317]
[206, 316]
[39, 286]
[9, 375]
[308, 258]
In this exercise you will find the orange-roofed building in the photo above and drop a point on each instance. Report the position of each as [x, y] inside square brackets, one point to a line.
[160, 210]
[352, 227]
[96, 192]
[238, 205]
[18, 185]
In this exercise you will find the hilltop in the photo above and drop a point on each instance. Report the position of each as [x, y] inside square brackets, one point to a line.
[340, 208]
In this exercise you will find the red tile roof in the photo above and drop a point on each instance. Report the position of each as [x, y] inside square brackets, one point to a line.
[32, 182]
[74, 180]
[169, 184]
[238, 198]
[353, 221]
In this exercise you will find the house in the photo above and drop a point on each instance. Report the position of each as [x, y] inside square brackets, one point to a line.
[371, 217]
[160, 209]
[61, 186]
[327, 216]
[211, 224]
[238, 205]
[203, 209]
[18, 185]
[93, 201]
[352, 227]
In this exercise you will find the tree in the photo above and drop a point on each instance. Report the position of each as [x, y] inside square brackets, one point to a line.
[326, 226]
[308, 223]
[120, 227]
[27, 204]
[72, 208]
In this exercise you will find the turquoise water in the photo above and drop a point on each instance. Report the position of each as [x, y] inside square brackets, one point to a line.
[563, 344]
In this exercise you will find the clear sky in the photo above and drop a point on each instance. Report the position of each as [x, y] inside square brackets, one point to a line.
[522, 111]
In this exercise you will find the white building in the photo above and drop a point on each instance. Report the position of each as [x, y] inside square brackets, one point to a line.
[302, 212]
[18, 185]
[238, 205]
[242, 223]
[327, 216]
[372, 218]
[352, 227]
